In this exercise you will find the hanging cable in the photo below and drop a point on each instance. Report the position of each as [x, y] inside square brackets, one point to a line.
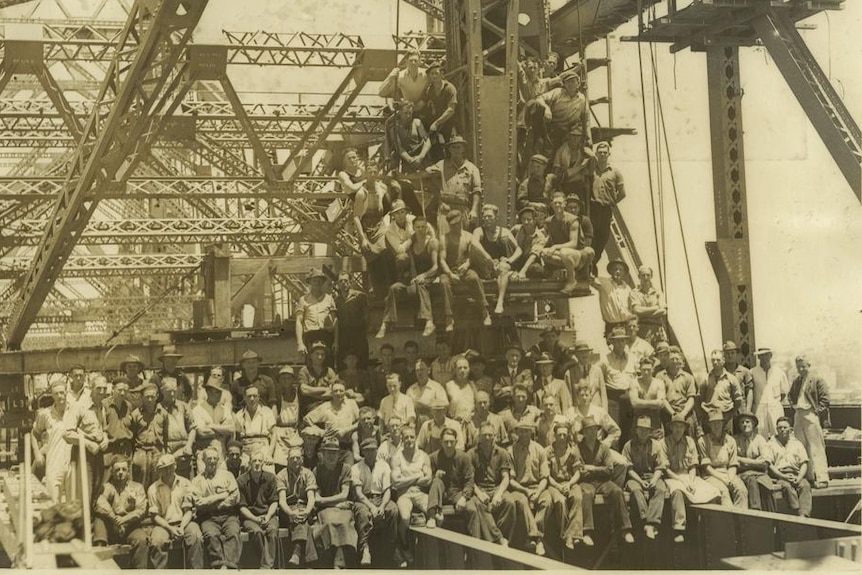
[660, 171]
[681, 228]
[649, 155]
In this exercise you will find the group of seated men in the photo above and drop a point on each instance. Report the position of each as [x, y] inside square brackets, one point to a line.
[520, 453]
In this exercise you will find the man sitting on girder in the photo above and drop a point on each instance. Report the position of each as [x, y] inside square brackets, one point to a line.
[495, 248]
[561, 250]
[438, 103]
[584, 247]
[455, 247]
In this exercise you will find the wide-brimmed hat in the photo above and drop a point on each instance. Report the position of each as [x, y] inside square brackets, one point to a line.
[330, 444]
[678, 418]
[525, 424]
[715, 416]
[526, 209]
[574, 198]
[397, 206]
[571, 73]
[456, 139]
[544, 358]
[368, 443]
[212, 383]
[165, 460]
[169, 351]
[249, 354]
[749, 415]
[581, 345]
[286, 369]
[539, 158]
[614, 263]
[438, 403]
[730, 346]
[317, 345]
[763, 351]
[315, 273]
[662, 346]
[131, 359]
[618, 333]
[644, 422]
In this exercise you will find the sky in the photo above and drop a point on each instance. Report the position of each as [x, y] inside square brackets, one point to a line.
[805, 223]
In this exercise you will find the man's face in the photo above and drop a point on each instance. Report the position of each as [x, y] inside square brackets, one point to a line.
[572, 84]
[256, 461]
[802, 367]
[401, 217]
[603, 153]
[524, 435]
[98, 393]
[677, 430]
[663, 357]
[617, 273]
[783, 430]
[456, 152]
[252, 398]
[435, 75]
[120, 390]
[234, 454]
[477, 369]
[317, 284]
[217, 373]
[329, 457]
[717, 361]
[287, 380]
[489, 218]
[442, 349]
[528, 220]
[413, 62]
[420, 227]
[618, 344]
[676, 361]
[746, 425]
[294, 460]
[642, 433]
[396, 427]
[211, 461]
[559, 205]
[591, 433]
[250, 365]
[408, 437]
[519, 398]
[574, 207]
[584, 394]
[546, 369]
[386, 356]
[513, 357]
[583, 357]
[59, 395]
[537, 169]
[318, 355]
[483, 402]
[486, 437]
[132, 370]
[549, 406]
[338, 392]
[645, 370]
[165, 473]
[367, 419]
[351, 361]
[765, 360]
[393, 386]
[77, 379]
[421, 371]
[169, 393]
[121, 472]
[716, 427]
[731, 356]
[150, 397]
[632, 327]
[169, 363]
[645, 279]
[351, 160]
[410, 354]
[369, 454]
[531, 67]
[448, 444]
[439, 414]
[550, 338]
[462, 369]
[561, 435]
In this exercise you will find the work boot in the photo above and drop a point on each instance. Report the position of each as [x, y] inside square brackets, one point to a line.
[429, 328]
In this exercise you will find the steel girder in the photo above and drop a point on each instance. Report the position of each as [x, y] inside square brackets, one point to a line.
[117, 136]
[433, 8]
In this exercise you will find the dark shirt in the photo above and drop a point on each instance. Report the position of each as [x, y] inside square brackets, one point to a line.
[149, 430]
[559, 230]
[488, 469]
[258, 495]
[118, 420]
[331, 481]
[263, 383]
[600, 457]
[459, 479]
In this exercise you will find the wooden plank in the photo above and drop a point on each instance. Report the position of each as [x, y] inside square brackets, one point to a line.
[774, 562]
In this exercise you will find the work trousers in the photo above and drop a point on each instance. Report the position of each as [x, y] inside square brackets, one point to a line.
[806, 426]
[390, 313]
[648, 504]
[160, 544]
[733, 492]
[411, 499]
[798, 498]
[222, 539]
[144, 465]
[613, 496]
[515, 519]
[600, 215]
[550, 510]
[759, 487]
[106, 532]
[677, 507]
[480, 522]
[263, 539]
[385, 524]
[470, 277]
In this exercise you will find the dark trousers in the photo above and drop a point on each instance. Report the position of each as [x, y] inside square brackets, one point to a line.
[613, 496]
[601, 217]
[385, 524]
[222, 539]
[759, 490]
[798, 498]
[160, 542]
[480, 522]
[470, 277]
[263, 539]
[106, 532]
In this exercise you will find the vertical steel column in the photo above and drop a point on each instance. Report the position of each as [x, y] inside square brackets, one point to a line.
[729, 254]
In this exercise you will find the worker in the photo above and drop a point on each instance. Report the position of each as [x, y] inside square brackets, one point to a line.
[531, 238]
[169, 359]
[120, 511]
[580, 368]
[430, 436]
[374, 510]
[719, 392]
[351, 328]
[719, 462]
[460, 187]
[213, 422]
[118, 410]
[636, 345]
[315, 379]
[563, 230]
[521, 409]
[336, 419]
[132, 367]
[565, 114]
[809, 400]
[769, 385]
[646, 460]
[78, 392]
[254, 427]
[89, 427]
[335, 528]
[456, 246]
[741, 372]
[180, 430]
[216, 496]
[494, 248]
[406, 81]
[788, 465]
[566, 496]
[371, 203]
[395, 403]
[584, 247]
[315, 314]
[680, 390]
[411, 479]
[753, 455]
[258, 508]
[424, 392]
[297, 489]
[547, 384]
[252, 376]
[536, 187]
[619, 370]
[647, 398]
[171, 509]
[147, 425]
[614, 294]
[51, 451]
[607, 192]
[648, 305]
[439, 101]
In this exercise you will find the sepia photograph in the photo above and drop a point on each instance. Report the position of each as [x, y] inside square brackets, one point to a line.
[431, 285]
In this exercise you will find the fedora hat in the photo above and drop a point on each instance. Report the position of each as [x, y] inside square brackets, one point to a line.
[131, 359]
[249, 354]
[614, 263]
[169, 351]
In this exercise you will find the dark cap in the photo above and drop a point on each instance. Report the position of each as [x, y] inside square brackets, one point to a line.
[730, 346]
[617, 263]
[368, 443]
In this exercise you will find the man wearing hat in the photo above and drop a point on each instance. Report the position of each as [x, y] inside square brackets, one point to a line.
[647, 303]
[769, 384]
[565, 113]
[438, 103]
[742, 373]
[171, 509]
[596, 479]
[507, 376]
[679, 387]
[662, 356]
[371, 202]
[179, 433]
[315, 314]
[148, 424]
[531, 238]
[335, 520]
[719, 461]
[788, 464]
[547, 384]
[536, 187]
[563, 231]
[494, 249]
[753, 455]
[286, 416]
[216, 496]
[374, 510]
[169, 359]
[460, 185]
[584, 247]
[521, 409]
[456, 247]
[809, 400]
[618, 369]
[681, 475]
[132, 367]
[647, 462]
[720, 392]
[614, 295]
[580, 368]
[550, 345]
[50, 449]
[251, 376]
[530, 475]
[429, 438]
[120, 510]
[213, 422]
[315, 379]
[608, 190]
